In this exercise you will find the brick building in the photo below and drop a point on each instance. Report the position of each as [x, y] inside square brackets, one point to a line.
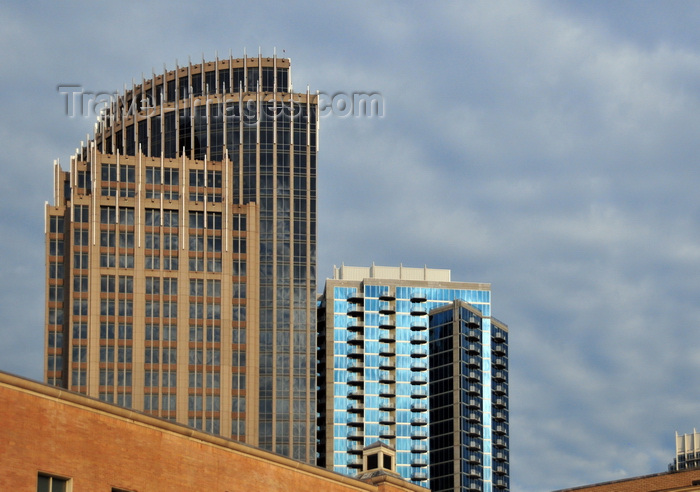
[674, 481]
[56, 440]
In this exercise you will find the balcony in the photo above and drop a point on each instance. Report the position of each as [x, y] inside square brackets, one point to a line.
[387, 432]
[387, 349]
[386, 296]
[387, 363]
[474, 322]
[500, 375]
[419, 378]
[474, 416]
[387, 390]
[386, 307]
[386, 335]
[501, 454]
[419, 351]
[500, 415]
[356, 433]
[500, 388]
[356, 338]
[354, 447]
[499, 337]
[355, 325]
[387, 322]
[419, 392]
[418, 309]
[419, 366]
[419, 434]
[474, 444]
[474, 431]
[355, 310]
[387, 418]
[355, 420]
[473, 361]
[356, 298]
[418, 296]
[500, 402]
[387, 404]
[474, 458]
[419, 462]
[501, 428]
[501, 482]
[473, 335]
[356, 365]
[419, 338]
[419, 421]
[419, 477]
[474, 471]
[387, 376]
[500, 442]
[500, 349]
[473, 348]
[419, 324]
[356, 393]
[473, 389]
[419, 406]
[499, 362]
[355, 379]
[356, 407]
[356, 352]
[419, 447]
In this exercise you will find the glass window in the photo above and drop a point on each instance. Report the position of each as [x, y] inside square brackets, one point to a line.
[196, 220]
[169, 286]
[153, 175]
[152, 217]
[171, 176]
[126, 239]
[152, 285]
[126, 216]
[170, 218]
[170, 242]
[47, 483]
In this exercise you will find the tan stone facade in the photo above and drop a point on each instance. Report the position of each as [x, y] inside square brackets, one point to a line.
[89, 445]
[181, 255]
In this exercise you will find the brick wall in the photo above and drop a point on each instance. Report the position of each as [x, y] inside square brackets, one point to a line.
[99, 446]
[666, 482]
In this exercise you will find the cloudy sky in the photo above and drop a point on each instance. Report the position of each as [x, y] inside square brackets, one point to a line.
[549, 148]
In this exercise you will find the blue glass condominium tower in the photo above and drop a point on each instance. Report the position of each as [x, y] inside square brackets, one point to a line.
[376, 373]
[181, 255]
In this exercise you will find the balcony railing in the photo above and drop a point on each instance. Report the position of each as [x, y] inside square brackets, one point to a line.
[386, 376]
[386, 307]
[418, 309]
[419, 338]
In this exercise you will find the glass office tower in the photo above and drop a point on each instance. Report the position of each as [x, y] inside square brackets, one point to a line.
[375, 370]
[181, 254]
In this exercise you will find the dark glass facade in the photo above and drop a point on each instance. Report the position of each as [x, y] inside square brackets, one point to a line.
[468, 400]
[201, 140]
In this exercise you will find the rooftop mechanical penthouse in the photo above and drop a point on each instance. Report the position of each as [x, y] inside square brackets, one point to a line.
[181, 255]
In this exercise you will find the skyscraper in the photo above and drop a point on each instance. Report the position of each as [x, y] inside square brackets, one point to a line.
[181, 254]
[396, 365]
[469, 429]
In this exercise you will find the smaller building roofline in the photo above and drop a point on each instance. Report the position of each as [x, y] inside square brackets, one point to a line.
[694, 471]
[98, 406]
